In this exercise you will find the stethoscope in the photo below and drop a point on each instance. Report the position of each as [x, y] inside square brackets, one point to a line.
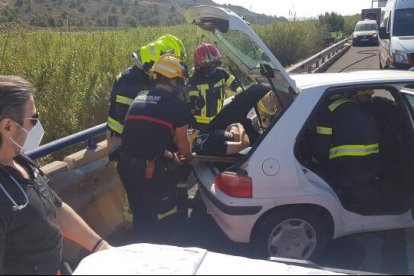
[16, 207]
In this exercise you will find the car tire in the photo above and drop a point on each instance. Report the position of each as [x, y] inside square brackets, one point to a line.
[292, 232]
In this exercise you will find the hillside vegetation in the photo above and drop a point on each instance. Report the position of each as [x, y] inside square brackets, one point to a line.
[107, 13]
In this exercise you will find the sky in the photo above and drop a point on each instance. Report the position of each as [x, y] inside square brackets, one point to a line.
[303, 8]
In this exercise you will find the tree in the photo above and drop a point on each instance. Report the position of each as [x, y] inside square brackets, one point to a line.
[333, 21]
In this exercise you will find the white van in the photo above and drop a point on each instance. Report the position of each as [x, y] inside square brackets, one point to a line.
[397, 35]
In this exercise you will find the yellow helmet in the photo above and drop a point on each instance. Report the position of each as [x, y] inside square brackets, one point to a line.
[168, 66]
[176, 44]
[165, 44]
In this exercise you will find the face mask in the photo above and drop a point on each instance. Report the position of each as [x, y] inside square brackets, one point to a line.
[33, 139]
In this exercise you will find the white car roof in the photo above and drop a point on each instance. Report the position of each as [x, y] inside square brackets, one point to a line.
[305, 81]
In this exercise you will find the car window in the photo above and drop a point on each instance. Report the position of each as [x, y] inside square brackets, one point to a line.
[386, 21]
[404, 22]
[244, 48]
[410, 100]
[366, 27]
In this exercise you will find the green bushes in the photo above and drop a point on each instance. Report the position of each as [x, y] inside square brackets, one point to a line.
[293, 41]
[74, 72]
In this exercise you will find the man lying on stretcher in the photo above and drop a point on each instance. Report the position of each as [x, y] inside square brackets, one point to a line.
[231, 131]
[221, 142]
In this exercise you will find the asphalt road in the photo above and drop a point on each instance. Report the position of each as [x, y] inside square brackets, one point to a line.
[380, 252]
[357, 58]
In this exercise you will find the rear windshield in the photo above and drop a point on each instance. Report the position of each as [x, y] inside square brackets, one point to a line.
[404, 22]
[366, 27]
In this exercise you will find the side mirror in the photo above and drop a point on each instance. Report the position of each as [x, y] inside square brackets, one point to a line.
[383, 33]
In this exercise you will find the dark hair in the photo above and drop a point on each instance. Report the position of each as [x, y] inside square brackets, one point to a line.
[14, 94]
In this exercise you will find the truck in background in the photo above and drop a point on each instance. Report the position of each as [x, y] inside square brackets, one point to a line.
[371, 14]
[397, 35]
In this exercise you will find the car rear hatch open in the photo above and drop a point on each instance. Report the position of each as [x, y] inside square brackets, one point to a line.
[241, 44]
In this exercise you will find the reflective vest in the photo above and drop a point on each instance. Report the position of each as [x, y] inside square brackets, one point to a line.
[355, 150]
[212, 92]
[127, 86]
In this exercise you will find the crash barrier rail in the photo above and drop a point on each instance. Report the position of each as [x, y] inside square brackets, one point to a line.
[90, 184]
[321, 61]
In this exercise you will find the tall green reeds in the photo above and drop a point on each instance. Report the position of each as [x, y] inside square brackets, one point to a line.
[74, 72]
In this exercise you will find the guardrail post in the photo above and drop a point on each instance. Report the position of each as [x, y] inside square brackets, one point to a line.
[92, 144]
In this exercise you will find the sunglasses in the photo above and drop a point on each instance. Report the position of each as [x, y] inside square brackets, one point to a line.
[34, 119]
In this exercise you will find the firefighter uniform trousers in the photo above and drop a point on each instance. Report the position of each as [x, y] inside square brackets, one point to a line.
[152, 196]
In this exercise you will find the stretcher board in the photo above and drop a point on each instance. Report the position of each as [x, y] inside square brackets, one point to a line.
[151, 259]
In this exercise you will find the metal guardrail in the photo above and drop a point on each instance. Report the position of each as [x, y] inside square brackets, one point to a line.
[316, 63]
[322, 60]
[86, 135]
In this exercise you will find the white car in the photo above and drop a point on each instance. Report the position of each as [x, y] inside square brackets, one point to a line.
[273, 196]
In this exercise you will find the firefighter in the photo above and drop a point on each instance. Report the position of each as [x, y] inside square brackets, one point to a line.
[346, 144]
[207, 85]
[134, 80]
[155, 120]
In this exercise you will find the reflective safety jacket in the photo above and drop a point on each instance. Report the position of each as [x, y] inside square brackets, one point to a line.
[206, 96]
[345, 129]
[127, 86]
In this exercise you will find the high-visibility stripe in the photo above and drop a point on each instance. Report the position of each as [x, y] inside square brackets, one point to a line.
[353, 150]
[263, 108]
[194, 93]
[337, 104]
[173, 211]
[204, 120]
[219, 84]
[124, 100]
[150, 119]
[230, 80]
[324, 130]
[115, 126]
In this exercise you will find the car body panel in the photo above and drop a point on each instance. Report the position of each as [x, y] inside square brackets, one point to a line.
[277, 176]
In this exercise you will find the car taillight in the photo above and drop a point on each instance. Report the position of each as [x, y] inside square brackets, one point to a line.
[234, 184]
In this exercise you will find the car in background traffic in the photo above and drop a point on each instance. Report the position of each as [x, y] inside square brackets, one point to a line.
[365, 33]
[273, 195]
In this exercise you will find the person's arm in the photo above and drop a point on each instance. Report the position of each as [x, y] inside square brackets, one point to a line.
[240, 140]
[183, 145]
[76, 229]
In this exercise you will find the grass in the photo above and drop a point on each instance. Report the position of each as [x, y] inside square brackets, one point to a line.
[74, 72]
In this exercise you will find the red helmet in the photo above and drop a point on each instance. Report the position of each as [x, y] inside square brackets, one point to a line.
[207, 55]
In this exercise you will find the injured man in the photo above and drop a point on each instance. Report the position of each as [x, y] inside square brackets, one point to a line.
[219, 142]
[232, 131]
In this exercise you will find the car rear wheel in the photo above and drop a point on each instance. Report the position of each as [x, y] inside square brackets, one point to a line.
[293, 232]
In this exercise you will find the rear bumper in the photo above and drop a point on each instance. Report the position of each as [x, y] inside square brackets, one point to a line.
[366, 40]
[236, 217]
